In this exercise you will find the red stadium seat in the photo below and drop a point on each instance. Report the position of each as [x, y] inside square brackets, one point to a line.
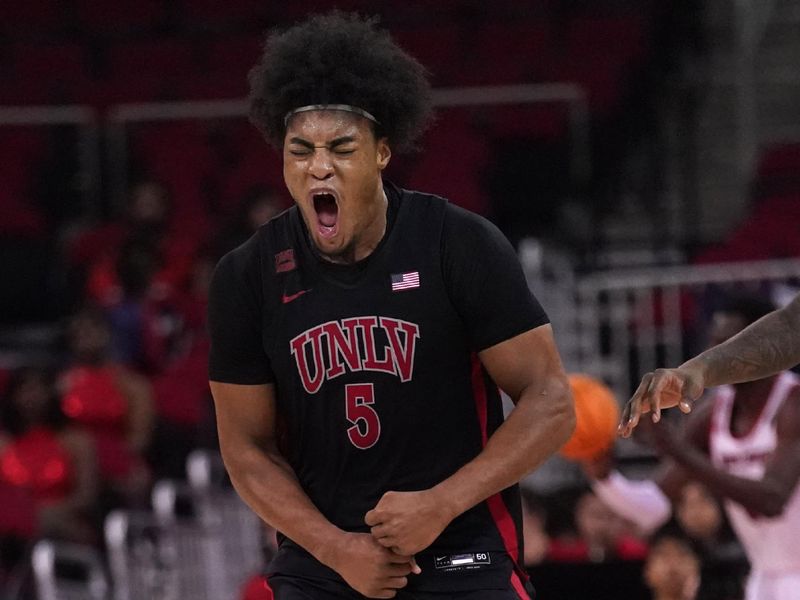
[54, 73]
[167, 57]
[541, 120]
[458, 179]
[33, 16]
[622, 37]
[237, 54]
[216, 14]
[505, 53]
[438, 48]
[780, 159]
[101, 16]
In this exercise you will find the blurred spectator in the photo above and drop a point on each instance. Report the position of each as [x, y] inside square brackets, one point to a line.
[48, 470]
[112, 403]
[598, 535]
[185, 415]
[700, 516]
[534, 534]
[672, 568]
[137, 269]
[258, 206]
[147, 224]
[702, 520]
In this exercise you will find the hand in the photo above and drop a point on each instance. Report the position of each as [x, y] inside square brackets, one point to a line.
[408, 522]
[663, 388]
[369, 568]
[599, 467]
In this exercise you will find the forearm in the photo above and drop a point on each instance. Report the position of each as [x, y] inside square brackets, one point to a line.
[268, 484]
[642, 502]
[538, 426]
[769, 345]
[757, 496]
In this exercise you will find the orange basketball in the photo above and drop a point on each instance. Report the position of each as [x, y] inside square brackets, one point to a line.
[596, 418]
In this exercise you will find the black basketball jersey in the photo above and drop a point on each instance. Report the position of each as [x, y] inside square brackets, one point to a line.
[376, 371]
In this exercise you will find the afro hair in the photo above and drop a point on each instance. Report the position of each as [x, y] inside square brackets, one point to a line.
[339, 58]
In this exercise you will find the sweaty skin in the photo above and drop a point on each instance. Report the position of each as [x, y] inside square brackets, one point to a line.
[768, 346]
[336, 155]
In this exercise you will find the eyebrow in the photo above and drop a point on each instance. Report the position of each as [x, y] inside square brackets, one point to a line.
[333, 144]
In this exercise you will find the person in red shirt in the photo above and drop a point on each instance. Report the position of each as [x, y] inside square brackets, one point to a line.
[112, 403]
[48, 474]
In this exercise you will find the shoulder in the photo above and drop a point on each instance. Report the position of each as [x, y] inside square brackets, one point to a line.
[472, 232]
[248, 259]
[244, 256]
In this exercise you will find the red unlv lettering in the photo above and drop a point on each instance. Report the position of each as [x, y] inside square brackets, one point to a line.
[333, 348]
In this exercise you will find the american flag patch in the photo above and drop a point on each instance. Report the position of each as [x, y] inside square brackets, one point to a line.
[405, 281]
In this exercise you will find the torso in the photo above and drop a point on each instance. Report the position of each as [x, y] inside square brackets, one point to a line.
[375, 380]
[744, 450]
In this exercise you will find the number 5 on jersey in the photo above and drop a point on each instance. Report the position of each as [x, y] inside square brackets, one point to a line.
[366, 426]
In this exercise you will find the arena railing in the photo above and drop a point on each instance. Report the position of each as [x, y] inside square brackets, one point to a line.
[122, 116]
[630, 322]
[85, 119]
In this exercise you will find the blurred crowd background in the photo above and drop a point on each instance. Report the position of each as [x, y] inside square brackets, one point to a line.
[643, 155]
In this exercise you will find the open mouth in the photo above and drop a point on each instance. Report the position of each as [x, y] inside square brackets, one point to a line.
[327, 214]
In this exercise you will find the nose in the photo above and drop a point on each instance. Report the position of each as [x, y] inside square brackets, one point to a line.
[320, 165]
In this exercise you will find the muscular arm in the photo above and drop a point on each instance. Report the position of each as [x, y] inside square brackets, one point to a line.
[648, 503]
[769, 345]
[246, 419]
[527, 367]
[766, 496]
[258, 471]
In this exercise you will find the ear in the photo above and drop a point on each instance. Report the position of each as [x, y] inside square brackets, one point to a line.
[384, 153]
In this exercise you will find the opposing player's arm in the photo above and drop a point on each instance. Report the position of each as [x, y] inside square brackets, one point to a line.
[648, 502]
[769, 345]
[766, 347]
[766, 496]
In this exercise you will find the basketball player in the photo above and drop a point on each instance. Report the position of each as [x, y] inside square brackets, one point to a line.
[744, 445]
[357, 339]
[766, 347]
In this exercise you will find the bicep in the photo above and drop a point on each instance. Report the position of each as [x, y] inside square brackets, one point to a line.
[529, 359]
[245, 413]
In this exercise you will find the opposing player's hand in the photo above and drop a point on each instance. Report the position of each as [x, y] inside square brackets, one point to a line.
[408, 522]
[663, 388]
[369, 568]
[599, 466]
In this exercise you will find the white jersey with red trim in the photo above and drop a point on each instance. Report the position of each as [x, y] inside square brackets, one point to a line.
[771, 543]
